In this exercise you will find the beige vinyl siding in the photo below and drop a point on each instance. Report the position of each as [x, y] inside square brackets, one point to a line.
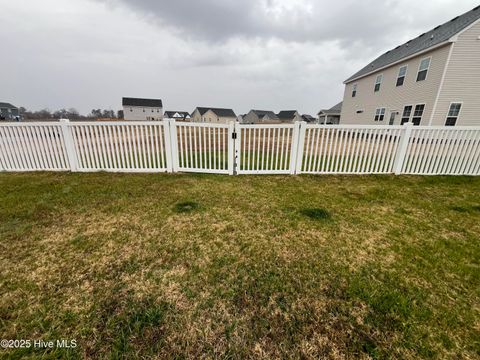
[196, 117]
[142, 113]
[390, 96]
[462, 80]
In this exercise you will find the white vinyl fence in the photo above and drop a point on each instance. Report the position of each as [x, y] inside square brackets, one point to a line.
[349, 149]
[300, 148]
[122, 146]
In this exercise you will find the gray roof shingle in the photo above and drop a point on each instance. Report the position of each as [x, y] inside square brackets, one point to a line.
[336, 109]
[308, 118]
[287, 114]
[423, 42]
[217, 111]
[126, 101]
[263, 113]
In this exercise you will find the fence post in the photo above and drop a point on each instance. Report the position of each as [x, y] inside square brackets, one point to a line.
[69, 144]
[174, 143]
[300, 146]
[236, 154]
[297, 141]
[231, 147]
[402, 148]
[170, 131]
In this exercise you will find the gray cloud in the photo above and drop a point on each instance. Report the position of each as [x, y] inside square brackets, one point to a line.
[270, 54]
[349, 21]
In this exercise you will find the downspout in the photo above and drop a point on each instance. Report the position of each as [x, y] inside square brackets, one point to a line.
[434, 109]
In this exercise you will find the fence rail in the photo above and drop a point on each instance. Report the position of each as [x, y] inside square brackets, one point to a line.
[299, 148]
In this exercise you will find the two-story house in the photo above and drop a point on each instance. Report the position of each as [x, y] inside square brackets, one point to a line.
[433, 79]
[260, 117]
[269, 117]
[289, 116]
[213, 115]
[142, 109]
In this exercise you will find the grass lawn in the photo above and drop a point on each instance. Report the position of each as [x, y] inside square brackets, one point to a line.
[191, 266]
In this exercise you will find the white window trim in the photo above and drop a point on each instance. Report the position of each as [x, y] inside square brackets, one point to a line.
[375, 84]
[428, 69]
[448, 111]
[375, 114]
[354, 88]
[404, 77]
[411, 112]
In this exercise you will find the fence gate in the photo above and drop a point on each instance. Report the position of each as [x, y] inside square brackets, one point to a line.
[202, 147]
[266, 149]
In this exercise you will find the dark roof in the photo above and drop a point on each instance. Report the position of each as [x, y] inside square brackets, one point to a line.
[126, 101]
[217, 111]
[262, 113]
[171, 113]
[336, 109]
[5, 105]
[287, 114]
[436, 36]
[308, 118]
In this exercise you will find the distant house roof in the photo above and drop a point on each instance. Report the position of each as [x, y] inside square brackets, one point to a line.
[126, 101]
[308, 118]
[4, 105]
[262, 113]
[436, 36]
[218, 111]
[287, 114]
[334, 110]
[171, 114]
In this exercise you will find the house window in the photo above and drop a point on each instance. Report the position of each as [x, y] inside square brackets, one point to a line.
[417, 114]
[401, 75]
[379, 114]
[407, 112]
[423, 69]
[354, 90]
[131, 110]
[378, 82]
[453, 113]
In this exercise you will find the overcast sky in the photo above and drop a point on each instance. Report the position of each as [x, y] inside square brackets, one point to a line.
[261, 54]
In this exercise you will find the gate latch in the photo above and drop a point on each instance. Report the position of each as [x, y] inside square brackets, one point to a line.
[234, 135]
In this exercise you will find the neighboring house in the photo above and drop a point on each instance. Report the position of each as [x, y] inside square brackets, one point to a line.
[309, 118]
[240, 118]
[433, 79]
[289, 116]
[142, 109]
[330, 116]
[8, 111]
[177, 115]
[213, 115]
[260, 117]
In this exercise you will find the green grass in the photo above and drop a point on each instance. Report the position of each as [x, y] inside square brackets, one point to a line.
[189, 266]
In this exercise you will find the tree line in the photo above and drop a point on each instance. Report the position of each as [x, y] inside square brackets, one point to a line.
[70, 113]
